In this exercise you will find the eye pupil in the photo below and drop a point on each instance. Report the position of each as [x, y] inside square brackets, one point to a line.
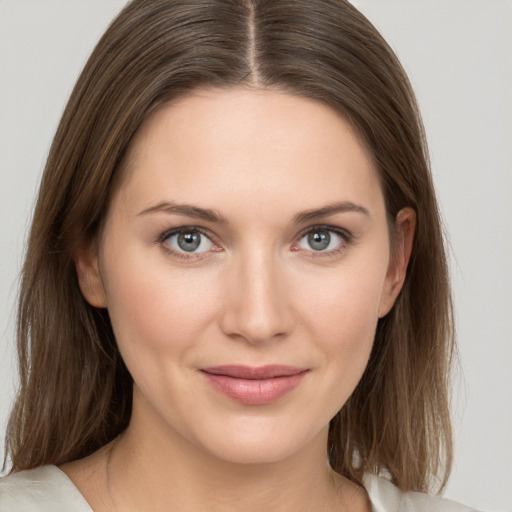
[319, 240]
[189, 241]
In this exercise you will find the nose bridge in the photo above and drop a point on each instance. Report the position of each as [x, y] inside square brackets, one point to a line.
[255, 300]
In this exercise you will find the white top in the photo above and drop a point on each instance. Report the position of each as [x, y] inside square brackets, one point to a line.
[48, 489]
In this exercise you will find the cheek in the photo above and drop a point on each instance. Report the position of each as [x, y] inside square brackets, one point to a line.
[346, 306]
[154, 308]
[348, 337]
[341, 318]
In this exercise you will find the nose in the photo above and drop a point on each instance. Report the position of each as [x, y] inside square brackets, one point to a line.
[256, 305]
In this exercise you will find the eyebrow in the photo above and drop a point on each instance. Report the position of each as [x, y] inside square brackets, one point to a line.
[187, 210]
[332, 209]
[215, 217]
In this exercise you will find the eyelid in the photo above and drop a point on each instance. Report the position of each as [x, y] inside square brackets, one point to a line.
[345, 233]
[346, 236]
[186, 229]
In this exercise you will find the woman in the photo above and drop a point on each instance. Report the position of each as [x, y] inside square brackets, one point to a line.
[235, 272]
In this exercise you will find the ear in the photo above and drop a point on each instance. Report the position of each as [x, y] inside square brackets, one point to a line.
[403, 238]
[89, 277]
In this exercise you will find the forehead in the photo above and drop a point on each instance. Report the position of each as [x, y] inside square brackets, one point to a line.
[257, 146]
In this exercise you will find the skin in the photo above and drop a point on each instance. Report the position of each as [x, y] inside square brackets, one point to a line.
[254, 293]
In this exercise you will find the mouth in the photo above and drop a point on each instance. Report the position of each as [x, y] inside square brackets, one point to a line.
[254, 385]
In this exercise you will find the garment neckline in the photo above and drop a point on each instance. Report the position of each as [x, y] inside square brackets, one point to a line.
[369, 483]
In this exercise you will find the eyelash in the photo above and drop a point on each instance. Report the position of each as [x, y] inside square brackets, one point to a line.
[346, 237]
[179, 254]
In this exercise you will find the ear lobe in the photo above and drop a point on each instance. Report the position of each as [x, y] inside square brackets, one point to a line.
[405, 225]
[89, 277]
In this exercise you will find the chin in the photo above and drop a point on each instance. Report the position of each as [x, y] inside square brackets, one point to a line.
[259, 442]
[254, 452]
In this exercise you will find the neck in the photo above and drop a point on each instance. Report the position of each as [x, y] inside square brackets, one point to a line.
[153, 471]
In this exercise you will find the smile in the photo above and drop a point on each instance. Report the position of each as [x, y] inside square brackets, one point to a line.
[254, 385]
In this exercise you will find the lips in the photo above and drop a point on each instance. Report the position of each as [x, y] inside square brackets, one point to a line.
[254, 385]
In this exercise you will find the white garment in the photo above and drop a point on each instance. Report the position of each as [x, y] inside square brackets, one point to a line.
[45, 489]
[48, 489]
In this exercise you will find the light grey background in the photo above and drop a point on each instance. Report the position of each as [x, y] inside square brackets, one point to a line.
[459, 57]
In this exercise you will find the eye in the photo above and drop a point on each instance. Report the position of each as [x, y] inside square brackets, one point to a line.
[323, 239]
[187, 240]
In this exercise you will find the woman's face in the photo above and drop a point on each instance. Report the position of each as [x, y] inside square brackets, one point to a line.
[244, 262]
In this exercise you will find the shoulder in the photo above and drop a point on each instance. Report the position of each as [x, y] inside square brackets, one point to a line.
[42, 489]
[386, 497]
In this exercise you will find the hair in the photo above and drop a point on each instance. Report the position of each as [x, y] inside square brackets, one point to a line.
[75, 392]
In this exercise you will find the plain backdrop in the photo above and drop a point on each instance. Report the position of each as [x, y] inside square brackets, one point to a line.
[458, 54]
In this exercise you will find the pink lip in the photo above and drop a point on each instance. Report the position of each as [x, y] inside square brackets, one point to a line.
[254, 385]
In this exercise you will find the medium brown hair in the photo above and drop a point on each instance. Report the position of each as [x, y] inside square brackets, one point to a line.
[75, 391]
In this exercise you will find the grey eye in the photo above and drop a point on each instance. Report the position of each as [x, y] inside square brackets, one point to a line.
[189, 240]
[319, 240]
